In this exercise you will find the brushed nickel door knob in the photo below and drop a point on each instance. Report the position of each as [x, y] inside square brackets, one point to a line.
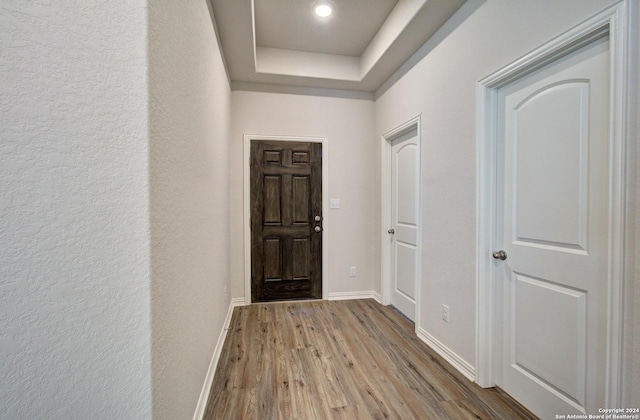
[500, 255]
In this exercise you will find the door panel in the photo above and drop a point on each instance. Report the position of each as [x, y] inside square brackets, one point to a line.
[286, 196]
[301, 254]
[553, 222]
[404, 215]
[405, 261]
[273, 259]
[565, 340]
[272, 199]
[301, 200]
[551, 205]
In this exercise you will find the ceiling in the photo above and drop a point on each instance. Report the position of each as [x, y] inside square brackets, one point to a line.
[279, 44]
[293, 26]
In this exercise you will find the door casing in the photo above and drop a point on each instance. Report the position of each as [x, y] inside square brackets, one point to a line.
[611, 22]
[326, 226]
[387, 139]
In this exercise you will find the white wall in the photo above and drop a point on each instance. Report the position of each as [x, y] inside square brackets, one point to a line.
[442, 87]
[189, 129]
[74, 232]
[349, 125]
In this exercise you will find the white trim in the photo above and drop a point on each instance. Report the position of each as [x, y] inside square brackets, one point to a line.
[447, 354]
[370, 294]
[301, 90]
[208, 379]
[611, 21]
[235, 302]
[377, 297]
[618, 33]
[326, 226]
[385, 268]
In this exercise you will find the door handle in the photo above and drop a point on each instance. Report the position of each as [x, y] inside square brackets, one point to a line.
[500, 255]
[317, 228]
[391, 231]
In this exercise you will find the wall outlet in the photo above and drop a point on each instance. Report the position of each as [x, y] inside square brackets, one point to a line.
[352, 271]
[445, 313]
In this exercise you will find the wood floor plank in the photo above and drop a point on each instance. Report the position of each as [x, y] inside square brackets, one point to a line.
[395, 376]
[283, 391]
[372, 386]
[464, 409]
[340, 360]
[352, 412]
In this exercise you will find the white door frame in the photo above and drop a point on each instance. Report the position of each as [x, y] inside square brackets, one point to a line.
[247, 204]
[387, 139]
[612, 21]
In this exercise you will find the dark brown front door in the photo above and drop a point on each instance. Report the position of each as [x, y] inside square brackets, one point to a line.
[286, 220]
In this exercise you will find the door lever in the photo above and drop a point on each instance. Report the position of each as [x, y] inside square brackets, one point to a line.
[391, 231]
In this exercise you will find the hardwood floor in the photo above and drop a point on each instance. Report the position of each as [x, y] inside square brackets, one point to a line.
[340, 360]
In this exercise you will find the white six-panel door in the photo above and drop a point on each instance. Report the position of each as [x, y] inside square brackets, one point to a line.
[553, 189]
[404, 222]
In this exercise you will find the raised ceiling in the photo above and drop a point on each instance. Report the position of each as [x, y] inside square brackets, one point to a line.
[281, 43]
[357, 21]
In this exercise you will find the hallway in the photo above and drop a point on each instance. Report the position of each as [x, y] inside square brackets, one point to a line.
[353, 359]
[125, 187]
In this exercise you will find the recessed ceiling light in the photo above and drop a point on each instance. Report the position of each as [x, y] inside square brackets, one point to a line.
[323, 9]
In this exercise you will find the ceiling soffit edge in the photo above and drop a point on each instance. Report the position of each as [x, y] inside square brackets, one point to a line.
[302, 90]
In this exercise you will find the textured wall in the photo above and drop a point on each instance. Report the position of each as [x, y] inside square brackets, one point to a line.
[74, 235]
[442, 86]
[189, 119]
[349, 125]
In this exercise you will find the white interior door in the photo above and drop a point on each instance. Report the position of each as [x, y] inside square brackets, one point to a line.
[553, 195]
[404, 216]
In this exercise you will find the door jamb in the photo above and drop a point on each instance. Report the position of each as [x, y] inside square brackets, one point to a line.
[385, 268]
[247, 204]
[611, 21]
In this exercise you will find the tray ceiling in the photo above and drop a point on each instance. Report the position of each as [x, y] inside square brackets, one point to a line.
[281, 43]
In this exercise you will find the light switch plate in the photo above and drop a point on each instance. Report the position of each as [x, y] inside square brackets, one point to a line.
[334, 203]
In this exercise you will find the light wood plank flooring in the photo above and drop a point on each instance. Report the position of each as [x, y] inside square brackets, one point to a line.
[340, 360]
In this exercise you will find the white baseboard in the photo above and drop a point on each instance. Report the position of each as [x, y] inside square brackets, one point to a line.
[370, 294]
[378, 297]
[234, 302]
[447, 354]
[208, 380]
